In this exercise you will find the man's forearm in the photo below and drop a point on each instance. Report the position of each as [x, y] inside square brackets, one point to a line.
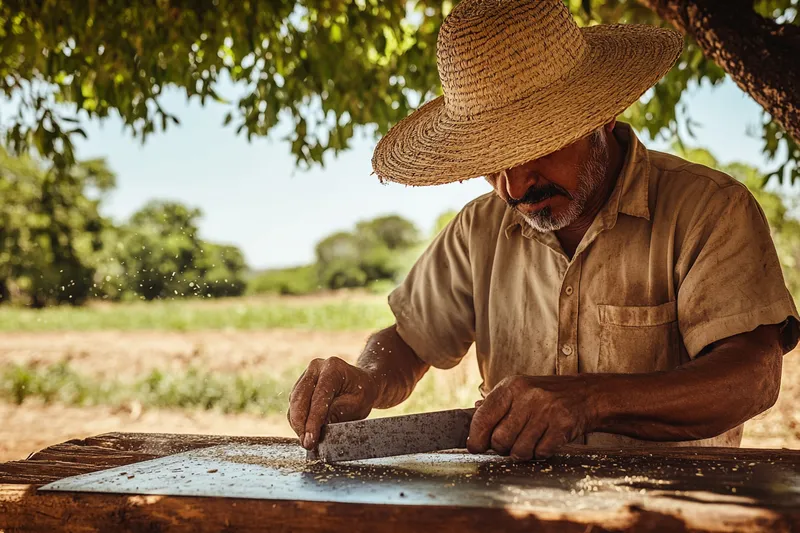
[393, 365]
[701, 399]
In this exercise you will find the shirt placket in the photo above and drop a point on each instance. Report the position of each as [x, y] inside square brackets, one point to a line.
[567, 357]
[568, 300]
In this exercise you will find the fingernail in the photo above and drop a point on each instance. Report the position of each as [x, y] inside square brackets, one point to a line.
[307, 439]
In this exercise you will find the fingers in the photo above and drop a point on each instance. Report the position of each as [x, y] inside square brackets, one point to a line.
[330, 390]
[486, 418]
[525, 446]
[527, 417]
[300, 398]
[328, 386]
[506, 432]
[551, 441]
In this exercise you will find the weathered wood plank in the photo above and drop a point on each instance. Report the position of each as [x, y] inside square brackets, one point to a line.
[24, 510]
[81, 456]
[117, 449]
[158, 444]
[180, 443]
[161, 444]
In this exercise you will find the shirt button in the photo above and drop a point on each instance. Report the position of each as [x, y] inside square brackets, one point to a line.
[566, 349]
[568, 290]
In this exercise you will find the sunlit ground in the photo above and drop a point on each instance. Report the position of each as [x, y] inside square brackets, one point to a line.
[217, 367]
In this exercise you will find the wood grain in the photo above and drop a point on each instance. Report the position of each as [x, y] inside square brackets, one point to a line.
[23, 509]
[82, 456]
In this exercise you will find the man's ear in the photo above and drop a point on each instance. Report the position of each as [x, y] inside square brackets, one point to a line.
[610, 126]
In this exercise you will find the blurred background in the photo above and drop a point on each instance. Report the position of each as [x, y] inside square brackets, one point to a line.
[188, 215]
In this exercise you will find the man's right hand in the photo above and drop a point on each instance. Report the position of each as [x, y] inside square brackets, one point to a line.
[330, 390]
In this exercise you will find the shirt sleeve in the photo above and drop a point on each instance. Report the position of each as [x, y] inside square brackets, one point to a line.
[730, 278]
[433, 307]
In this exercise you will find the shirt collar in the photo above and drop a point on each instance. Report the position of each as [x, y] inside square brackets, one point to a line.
[634, 179]
[632, 190]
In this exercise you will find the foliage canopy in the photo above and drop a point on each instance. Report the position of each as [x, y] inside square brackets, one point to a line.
[327, 66]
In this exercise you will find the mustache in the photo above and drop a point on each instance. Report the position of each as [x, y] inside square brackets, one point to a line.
[538, 194]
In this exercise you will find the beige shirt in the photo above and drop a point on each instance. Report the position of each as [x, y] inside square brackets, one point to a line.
[680, 257]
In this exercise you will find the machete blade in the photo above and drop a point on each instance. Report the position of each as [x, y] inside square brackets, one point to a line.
[395, 435]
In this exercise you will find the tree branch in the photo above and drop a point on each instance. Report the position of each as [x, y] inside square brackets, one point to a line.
[759, 54]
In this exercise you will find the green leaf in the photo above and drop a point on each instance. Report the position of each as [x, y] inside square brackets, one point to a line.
[348, 54]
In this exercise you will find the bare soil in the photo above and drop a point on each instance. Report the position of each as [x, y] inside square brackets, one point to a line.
[127, 354]
[33, 426]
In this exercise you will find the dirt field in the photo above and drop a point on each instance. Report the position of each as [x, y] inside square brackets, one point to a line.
[32, 426]
[128, 354]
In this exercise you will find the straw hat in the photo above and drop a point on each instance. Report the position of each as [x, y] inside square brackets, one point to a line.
[520, 80]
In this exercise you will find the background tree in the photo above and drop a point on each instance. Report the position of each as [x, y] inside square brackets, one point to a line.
[382, 243]
[49, 227]
[331, 65]
[376, 254]
[339, 261]
[158, 254]
[392, 231]
[285, 281]
[442, 221]
[222, 269]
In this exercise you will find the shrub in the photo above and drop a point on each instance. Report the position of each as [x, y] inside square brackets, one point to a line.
[288, 281]
[381, 286]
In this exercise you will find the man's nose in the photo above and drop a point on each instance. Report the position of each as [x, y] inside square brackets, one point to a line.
[517, 181]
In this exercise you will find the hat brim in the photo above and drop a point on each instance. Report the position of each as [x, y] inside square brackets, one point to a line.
[623, 61]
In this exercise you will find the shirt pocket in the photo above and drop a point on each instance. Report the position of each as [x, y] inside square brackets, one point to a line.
[635, 339]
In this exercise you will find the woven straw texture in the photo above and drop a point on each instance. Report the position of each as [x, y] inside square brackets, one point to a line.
[520, 80]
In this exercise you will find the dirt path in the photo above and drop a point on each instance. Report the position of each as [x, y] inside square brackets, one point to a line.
[134, 353]
[33, 426]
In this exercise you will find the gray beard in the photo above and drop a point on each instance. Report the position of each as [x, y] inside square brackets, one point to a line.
[590, 177]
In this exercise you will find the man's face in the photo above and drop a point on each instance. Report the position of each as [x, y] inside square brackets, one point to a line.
[551, 192]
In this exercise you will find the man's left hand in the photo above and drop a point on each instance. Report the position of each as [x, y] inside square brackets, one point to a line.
[530, 416]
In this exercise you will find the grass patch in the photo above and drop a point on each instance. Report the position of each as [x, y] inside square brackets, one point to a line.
[261, 394]
[54, 383]
[192, 389]
[203, 315]
[229, 393]
[297, 280]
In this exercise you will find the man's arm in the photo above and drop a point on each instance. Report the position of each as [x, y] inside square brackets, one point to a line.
[393, 366]
[735, 380]
[332, 390]
[739, 378]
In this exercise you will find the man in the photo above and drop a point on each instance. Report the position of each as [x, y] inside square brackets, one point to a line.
[615, 295]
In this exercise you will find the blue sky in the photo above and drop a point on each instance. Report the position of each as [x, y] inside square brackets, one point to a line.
[252, 195]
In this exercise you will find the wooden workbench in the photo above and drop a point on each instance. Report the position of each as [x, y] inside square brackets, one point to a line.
[699, 489]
